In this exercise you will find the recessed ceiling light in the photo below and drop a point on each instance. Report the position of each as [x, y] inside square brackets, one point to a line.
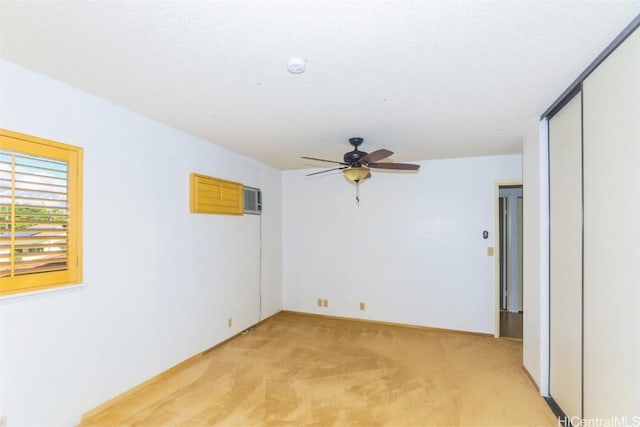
[296, 66]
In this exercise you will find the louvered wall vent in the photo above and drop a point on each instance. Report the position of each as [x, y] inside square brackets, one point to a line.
[252, 201]
[215, 196]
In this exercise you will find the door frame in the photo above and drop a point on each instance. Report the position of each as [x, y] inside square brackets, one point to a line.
[496, 249]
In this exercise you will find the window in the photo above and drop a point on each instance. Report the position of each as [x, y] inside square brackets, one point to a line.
[40, 213]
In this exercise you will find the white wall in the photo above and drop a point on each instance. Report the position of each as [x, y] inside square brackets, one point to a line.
[160, 282]
[412, 251]
[536, 254]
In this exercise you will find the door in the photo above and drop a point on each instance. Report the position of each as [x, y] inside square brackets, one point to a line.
[612, 236]
[565, 257]
[510, 251]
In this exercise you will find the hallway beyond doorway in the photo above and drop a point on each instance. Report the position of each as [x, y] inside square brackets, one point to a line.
[509, 239]
[510, 325]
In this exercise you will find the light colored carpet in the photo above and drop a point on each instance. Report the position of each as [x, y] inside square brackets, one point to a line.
[299, 370]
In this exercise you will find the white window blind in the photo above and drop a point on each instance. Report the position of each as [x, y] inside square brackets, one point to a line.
[34, 214]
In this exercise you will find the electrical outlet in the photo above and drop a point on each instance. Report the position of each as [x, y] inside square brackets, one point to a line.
[325, 303]
[362, 306]
[319, 302]
[230, 322]
[3, 421]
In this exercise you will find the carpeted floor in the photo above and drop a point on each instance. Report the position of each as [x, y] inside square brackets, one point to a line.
[300, 370]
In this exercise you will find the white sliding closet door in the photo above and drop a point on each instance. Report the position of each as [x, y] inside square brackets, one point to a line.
[565, 265]
[612, 235]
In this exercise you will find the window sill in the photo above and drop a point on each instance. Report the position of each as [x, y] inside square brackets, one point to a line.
[41, 292]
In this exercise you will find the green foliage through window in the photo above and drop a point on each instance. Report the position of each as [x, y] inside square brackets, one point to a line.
[28, 217]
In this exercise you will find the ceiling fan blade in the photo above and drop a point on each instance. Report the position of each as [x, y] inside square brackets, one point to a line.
[328, 170]
[374, 156]
[323, 160]
[396, 166]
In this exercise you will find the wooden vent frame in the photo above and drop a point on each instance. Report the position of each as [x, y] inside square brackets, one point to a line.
[211, 195]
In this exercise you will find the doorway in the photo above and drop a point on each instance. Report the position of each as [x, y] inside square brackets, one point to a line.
[510, 204]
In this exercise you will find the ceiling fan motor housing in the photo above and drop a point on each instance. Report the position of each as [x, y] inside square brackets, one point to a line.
[352, 158]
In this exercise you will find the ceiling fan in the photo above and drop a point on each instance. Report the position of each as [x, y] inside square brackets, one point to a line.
[356, 165]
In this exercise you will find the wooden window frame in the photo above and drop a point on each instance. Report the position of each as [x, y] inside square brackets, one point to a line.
[73, 156]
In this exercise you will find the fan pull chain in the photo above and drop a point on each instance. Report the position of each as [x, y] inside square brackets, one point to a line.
[358, 193]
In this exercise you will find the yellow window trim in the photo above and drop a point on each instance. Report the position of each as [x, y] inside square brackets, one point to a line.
[73, 156]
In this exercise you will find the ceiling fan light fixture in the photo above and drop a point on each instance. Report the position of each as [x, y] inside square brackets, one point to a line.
[356, 174]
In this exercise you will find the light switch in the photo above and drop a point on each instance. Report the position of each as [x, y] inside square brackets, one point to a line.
[490, 251]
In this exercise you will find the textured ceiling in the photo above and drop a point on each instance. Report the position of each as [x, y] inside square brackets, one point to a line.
[426, 79]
